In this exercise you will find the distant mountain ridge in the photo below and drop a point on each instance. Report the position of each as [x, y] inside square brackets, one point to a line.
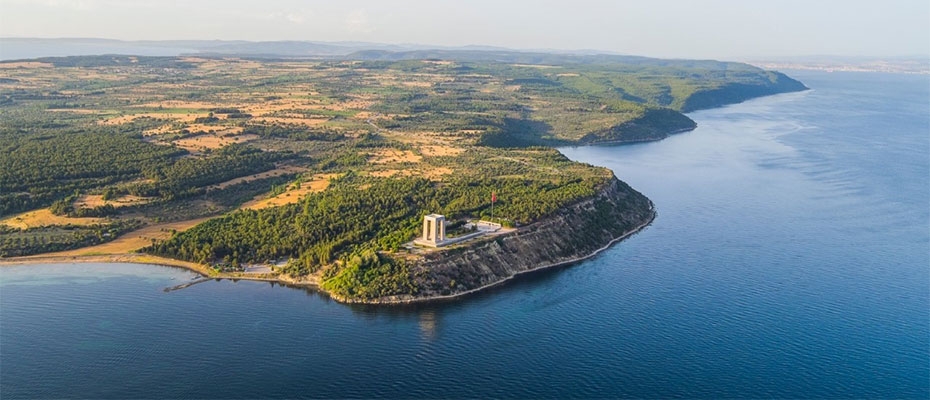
[27, 48]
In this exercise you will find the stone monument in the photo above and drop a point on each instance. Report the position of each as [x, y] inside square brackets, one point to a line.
[434, 228]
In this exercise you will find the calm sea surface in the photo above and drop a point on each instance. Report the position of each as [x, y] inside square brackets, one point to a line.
[791, 258]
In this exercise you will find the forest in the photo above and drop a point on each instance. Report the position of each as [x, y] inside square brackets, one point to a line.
[344, 222]
[329, 164]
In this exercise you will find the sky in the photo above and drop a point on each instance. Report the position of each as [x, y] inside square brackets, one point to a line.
[723, 29]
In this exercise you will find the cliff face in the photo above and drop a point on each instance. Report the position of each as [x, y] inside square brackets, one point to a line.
[739, 92]
[654, 124]
[658, 123]
[573, 233]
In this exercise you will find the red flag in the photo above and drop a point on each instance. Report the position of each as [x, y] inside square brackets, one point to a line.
[493, 197]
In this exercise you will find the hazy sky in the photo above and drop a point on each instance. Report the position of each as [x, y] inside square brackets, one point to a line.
[663, 28]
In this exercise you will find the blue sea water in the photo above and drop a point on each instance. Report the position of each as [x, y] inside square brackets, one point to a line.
[790, 259]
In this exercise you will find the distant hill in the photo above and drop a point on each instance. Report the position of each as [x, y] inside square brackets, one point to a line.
[27, 48]
[896, 65]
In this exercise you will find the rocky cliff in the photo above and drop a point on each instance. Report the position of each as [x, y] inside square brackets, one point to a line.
[571, 234]
[733, 93]
[654, 124]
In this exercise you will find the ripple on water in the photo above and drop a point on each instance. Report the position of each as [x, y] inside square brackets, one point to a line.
[789, 259]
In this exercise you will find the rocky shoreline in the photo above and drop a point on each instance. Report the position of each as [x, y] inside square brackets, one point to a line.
[411, 300]
[576, 233]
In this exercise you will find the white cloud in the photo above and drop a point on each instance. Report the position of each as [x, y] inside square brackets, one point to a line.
[83, 5]
[297, 18]
[68, 4]
[294, 17]
[357, 22]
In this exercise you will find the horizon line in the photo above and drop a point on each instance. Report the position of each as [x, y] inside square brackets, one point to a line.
[488, 47]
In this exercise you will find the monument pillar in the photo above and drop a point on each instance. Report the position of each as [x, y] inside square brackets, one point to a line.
[434, 228]
[426, 226]
[441, 229]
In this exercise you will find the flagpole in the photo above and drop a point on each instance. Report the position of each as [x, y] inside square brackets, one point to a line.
[493, 197]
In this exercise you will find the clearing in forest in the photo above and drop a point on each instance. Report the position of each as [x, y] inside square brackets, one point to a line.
[387, 156]
[181, 117]
[211, 141]
[44, 217]
[96, 200]
[293, 194]
[441, 151]
[130, 242]
[283, 170]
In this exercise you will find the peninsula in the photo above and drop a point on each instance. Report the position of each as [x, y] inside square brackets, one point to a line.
[320, 171]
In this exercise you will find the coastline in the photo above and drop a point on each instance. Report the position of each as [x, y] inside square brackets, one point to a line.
[575, 260]
[206, 272]
[135, 258]
[621, 142]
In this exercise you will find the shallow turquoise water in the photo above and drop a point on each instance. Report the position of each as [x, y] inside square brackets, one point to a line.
[790, 258]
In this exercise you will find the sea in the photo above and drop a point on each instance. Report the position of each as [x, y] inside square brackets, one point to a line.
[790, 259]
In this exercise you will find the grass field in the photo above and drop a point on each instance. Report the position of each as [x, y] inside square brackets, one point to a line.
[282, 170]
[96, 200]
[44, 217]
[195, 144]
[292, 194]
[131, 241]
